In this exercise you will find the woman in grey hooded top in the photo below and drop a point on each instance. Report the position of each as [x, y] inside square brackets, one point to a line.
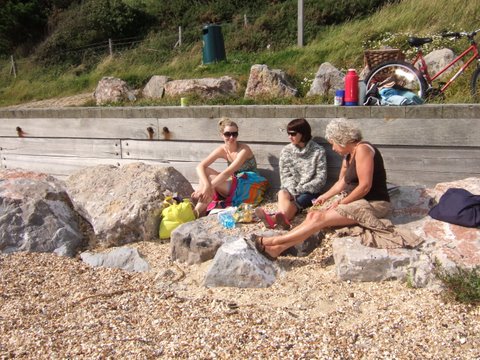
[303, 174]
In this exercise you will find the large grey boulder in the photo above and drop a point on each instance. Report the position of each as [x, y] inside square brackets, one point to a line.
[112, 90]
[155, 87]
[205, 88]
[238, 264]
[410, 203]
[438, 59]
[264, 82]
[123, 204]
[198, 241]
[127, 259]
[327, 79]
[356, 262]
[36, 215]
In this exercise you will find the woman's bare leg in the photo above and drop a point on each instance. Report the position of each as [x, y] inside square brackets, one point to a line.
[223, 189]
[314, 222]
[285, 204]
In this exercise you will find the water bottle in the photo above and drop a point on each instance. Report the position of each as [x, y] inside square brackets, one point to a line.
[351, 88]
[339, 95]
[226, 219]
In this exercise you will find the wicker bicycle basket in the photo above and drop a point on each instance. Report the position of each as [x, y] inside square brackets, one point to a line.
[373, 58]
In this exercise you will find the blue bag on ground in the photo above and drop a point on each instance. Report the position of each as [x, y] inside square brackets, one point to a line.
[459, 207]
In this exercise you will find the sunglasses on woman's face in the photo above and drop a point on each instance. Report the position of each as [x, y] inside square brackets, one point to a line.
[228, 134]
[292, 133]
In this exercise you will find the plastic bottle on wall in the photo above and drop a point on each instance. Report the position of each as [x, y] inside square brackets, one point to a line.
[351, 88]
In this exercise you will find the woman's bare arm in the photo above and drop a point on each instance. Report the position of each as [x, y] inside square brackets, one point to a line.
[243, 155]
[337, 188]
[364, 166]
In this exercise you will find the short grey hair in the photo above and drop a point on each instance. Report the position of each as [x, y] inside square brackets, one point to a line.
[342, 132]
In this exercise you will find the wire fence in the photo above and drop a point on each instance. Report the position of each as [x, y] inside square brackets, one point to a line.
[177, 38]
[12, 67]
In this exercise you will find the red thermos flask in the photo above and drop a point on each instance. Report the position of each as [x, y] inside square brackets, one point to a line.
[351, 88]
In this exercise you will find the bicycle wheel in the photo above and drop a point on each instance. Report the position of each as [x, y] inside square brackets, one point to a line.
[400, 73]
[475, 85]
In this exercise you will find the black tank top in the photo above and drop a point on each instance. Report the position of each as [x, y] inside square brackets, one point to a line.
[378, 191]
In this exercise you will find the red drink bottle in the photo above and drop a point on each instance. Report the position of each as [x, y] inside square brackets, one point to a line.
[351, 88]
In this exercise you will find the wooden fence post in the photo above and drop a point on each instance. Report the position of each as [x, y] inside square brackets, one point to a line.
[13, 68]
[110, 47]
[179, 41]
[245, 20]
[300, 24]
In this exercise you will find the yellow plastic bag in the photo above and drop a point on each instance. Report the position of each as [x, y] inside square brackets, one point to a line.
[174, 214]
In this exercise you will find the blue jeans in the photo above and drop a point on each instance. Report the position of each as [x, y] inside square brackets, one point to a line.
[304, 200]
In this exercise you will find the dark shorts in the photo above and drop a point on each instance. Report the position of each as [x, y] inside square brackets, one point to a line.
[302, 201]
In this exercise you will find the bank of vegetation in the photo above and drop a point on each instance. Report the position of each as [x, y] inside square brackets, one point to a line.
[53, 48]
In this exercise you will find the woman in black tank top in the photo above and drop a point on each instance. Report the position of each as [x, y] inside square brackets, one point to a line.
[378, 189]
[361, 191]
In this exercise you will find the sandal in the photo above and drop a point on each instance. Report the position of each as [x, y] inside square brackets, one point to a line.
[261, 247]
[282, 221]
[265, 218]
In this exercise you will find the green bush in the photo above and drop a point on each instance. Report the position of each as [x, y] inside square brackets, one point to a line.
[92, 22]
[463, 285]
[22, 23]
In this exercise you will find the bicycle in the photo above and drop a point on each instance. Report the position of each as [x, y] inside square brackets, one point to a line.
[414, 76]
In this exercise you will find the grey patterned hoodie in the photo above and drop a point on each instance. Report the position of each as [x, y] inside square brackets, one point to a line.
[303, 169]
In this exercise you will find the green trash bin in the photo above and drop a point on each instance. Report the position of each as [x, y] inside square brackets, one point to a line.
[213, 46]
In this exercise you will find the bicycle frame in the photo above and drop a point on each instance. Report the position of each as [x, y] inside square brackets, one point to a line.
[473, 48]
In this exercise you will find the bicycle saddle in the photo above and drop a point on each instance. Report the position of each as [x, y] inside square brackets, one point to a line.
[414, 41]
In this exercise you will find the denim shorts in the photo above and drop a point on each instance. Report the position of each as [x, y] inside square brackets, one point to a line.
[304, 200]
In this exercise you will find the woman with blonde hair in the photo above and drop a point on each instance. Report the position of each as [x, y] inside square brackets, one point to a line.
[238, 183]
[363, 182]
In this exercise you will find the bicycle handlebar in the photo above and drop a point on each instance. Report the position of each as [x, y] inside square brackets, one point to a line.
[458, 35]
[455, 35]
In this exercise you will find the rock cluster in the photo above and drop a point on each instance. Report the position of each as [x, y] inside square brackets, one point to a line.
[263, 82]
[112, 206]
[100, 206]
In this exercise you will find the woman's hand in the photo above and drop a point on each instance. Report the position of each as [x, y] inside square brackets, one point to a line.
[319, 201]
[204, 195]
[195, 195]
[334, 204]
[207, 195]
